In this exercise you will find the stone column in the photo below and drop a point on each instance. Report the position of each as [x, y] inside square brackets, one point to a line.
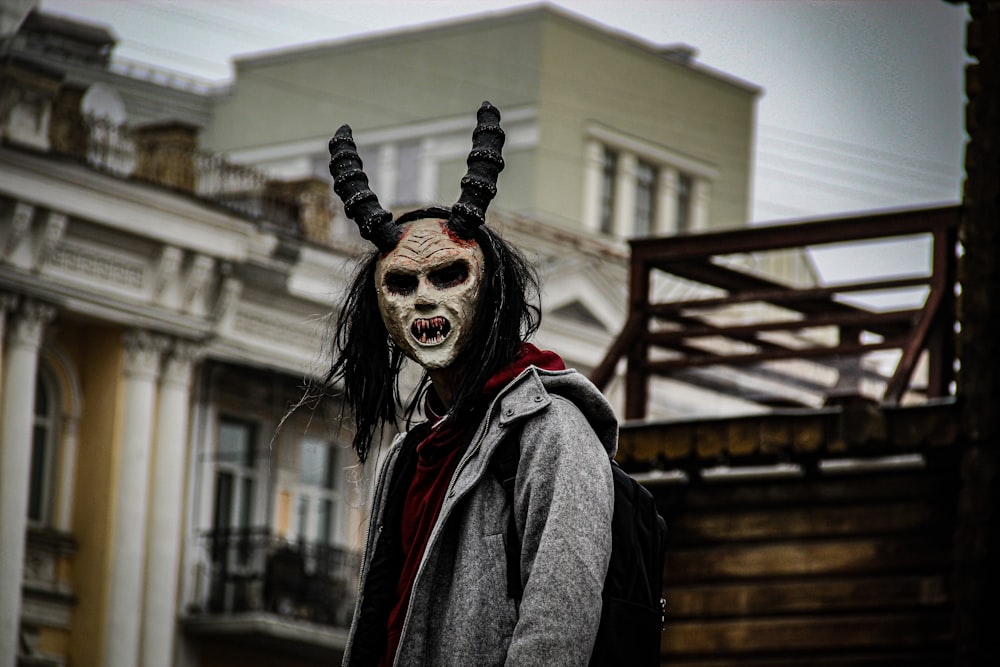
[701, 197]
[19, 374]
[427, 172]
[386, 172]
[666, 201]
[163, 559]
[624, 225]
[593, 153]
[7, 304]
[128, 542]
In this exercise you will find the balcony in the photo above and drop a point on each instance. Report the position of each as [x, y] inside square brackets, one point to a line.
[167, 155]
[728, 327]
[290, 597]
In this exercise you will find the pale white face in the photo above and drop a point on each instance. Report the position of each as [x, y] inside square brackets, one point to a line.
[428, 290]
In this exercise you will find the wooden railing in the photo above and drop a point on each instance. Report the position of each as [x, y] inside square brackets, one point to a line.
[781, 323]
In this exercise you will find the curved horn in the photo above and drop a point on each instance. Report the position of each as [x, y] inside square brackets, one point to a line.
[360, 203]
[479, 186]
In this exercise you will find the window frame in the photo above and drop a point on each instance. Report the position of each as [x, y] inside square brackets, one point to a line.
[244, 509]
[632, 152]
[302, 493]
[646, 212]
[41, 501]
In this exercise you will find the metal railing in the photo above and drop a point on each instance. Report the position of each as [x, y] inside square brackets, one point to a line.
[746, 329]
[252, 570]
[115, 149]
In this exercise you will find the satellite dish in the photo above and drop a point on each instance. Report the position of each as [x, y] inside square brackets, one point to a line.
[103, 102]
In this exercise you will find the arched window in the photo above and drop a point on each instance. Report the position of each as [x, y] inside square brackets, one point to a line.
[41, 490]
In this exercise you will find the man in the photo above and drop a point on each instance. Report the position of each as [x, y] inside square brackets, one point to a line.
[444, 290]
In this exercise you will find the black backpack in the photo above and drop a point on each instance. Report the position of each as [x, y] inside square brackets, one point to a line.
[632, 606]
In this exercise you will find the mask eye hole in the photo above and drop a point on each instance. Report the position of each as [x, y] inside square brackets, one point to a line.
[400, 284]
[451, 275]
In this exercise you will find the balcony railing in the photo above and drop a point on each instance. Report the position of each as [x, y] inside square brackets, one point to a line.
[250, 570]
[168, 156]
[746, 333]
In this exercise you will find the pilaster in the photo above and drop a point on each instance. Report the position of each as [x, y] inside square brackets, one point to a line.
[593, 152]
[165, 508]
[666, 201]
[128, 542]
[20, 369]
[625, 194]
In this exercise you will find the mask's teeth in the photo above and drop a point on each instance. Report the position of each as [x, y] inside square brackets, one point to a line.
[432, 330]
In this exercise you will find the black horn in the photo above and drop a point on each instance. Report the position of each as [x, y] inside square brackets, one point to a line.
[360, 203]
[479, 186]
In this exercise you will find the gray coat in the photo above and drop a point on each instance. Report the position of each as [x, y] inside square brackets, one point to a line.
[460, 613]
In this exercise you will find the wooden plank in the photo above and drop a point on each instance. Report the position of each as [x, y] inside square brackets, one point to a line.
[820, 595]
[711, 439]
[647, 445]
[706, 358]
[704, 330]
[925, 656]
[940, 486]
[791, 235]
[782, 294]
[798, 522]
[824, 632]
[824, 558]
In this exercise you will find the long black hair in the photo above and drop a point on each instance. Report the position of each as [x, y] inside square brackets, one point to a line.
[367, 363]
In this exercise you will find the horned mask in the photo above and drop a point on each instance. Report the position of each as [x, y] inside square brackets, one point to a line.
[430, 270]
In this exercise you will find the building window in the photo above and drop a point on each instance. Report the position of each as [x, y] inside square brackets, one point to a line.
[609, 175]
[685, 185]
[317, 491]
[43, 445]
[232, 546]
[407, 173]
[635, 188]
[235, 476]
[646, 178]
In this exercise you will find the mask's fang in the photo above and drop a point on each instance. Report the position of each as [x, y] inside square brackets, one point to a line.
[431, 330]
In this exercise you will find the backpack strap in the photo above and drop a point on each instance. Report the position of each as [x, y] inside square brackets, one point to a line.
[504, 465]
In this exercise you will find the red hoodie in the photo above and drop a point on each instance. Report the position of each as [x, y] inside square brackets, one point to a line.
[437, 457]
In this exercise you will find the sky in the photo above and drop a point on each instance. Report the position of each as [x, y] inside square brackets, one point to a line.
[862, 100]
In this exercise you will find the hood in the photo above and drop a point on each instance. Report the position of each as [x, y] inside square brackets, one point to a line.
[568, 384]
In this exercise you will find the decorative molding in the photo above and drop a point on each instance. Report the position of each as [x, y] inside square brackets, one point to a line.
[168, 268]
[98, 265]
[46, 599]
[197, 280]
[20, 224]
[46, 608]
[259, 323]
[652, 152]
[179, 362]
[29, 324]
[143, 351]
[228, 296]
[7, 303]
[55, 230]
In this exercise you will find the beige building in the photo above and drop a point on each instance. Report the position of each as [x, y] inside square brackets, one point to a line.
[605, 133]
[160, 311]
